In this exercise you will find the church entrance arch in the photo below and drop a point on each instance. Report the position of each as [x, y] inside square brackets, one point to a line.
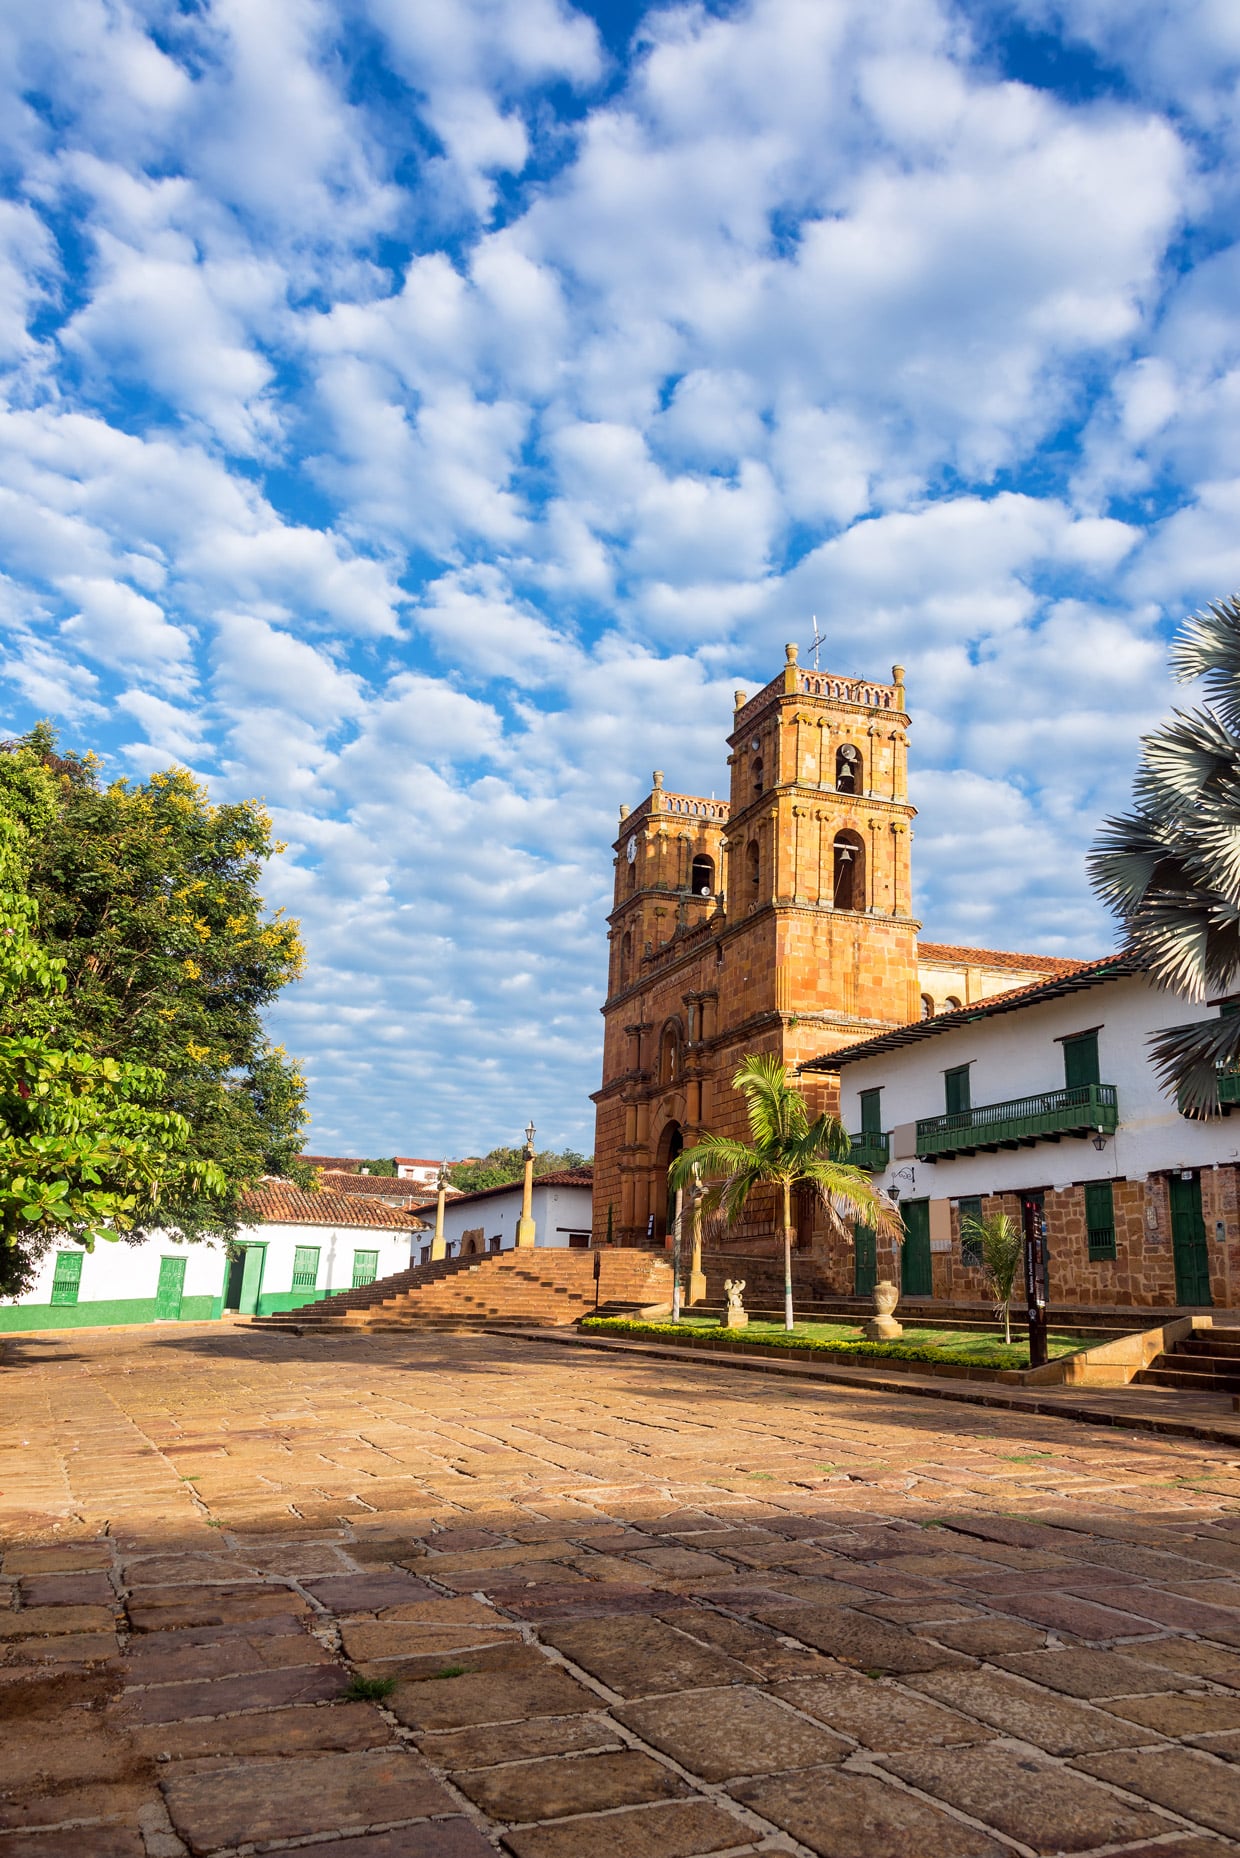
[671, 1142]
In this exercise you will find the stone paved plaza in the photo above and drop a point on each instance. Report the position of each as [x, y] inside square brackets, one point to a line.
[622, 1606]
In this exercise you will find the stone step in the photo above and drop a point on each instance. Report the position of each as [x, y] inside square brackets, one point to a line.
[1199, 1377]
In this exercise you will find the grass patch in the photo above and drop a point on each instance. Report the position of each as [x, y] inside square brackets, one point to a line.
[918, 1343]
[368, 1689]
[452, 1670]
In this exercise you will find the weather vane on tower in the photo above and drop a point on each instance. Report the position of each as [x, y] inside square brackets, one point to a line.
[817, 642]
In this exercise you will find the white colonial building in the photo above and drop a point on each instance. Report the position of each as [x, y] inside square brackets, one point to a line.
[486, 1221]
[295, 1248]
[1043, 1102]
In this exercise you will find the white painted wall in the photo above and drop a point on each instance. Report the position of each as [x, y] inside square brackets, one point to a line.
[1016, 1054]
[114, 1271]
[558, 1212]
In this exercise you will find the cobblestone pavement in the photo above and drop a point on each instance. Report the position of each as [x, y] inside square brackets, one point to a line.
[438, 1596]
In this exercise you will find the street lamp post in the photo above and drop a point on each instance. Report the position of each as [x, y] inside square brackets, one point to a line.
[438, 1248]
[525, 1225]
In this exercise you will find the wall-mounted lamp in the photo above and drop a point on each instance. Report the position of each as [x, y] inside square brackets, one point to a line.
[1099, 1140]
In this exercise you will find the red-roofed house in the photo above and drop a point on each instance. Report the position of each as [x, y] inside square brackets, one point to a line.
[295, 1248]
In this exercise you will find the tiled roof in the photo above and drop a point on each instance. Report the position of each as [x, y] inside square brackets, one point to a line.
[373, 1186]
[280, 1203]
[1084, 974]
[997, 958]
[348, 1164]
[564, 1177]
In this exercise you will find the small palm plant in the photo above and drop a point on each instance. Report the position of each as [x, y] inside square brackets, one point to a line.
[787, 1151]
[1000, 1246]
[1170, 869]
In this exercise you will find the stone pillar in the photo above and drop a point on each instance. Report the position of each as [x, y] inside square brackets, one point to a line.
[438, 1247]
[525, 1225]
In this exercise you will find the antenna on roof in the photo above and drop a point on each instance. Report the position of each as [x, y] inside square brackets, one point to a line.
[817, 642]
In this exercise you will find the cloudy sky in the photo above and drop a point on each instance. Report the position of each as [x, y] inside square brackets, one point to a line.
[423, 413]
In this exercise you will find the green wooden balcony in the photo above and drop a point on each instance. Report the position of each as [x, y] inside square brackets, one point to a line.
[1084, 1110]
[1229, 1088]
[871, 1149]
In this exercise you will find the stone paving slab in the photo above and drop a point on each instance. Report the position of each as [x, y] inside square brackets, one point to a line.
[435, 1596]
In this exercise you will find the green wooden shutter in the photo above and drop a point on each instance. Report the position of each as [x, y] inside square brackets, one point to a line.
[306, 1267]
[970, 1209]
[1080, 1061]
[1100, 1219]
[365, 1268]
[865, 1260]
[872, 1112]
[956, 1086]
[68, 1277]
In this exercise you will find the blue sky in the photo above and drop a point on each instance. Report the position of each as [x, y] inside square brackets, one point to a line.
[423, 416]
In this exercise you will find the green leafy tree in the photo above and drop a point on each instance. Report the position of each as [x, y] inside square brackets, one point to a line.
[1000, 1247]
[148, 894]
[87, 1150]
[502, 1166]
[1170, 869]
[787, 1151]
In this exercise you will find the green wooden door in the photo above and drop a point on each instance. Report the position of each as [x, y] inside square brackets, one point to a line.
[252, 1279]
[168, 1290]
[865, 1261]
[68, 1277]
[915, 1279]
[365, 1268]
[1080, 1061]
[956, 1094]
[1188, 1242]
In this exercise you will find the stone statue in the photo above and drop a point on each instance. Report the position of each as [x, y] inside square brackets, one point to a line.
[735, 1316]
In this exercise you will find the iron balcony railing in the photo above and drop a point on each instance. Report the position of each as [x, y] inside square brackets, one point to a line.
[1083, 1110]
[871, 1149]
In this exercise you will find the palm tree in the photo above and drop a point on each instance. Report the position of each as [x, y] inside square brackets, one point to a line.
[1000, 1245]
[787, 1150]
[1170, 869]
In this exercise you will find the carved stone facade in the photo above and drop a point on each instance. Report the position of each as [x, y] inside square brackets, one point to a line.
[777, 921]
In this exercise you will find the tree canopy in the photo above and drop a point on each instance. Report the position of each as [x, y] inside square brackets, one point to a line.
[503, 1165]
[87, 1148]
[147, 897]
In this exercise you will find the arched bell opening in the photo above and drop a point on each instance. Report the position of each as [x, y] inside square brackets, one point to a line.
[702, 876]
[847, 769]
[751, 867]
[848, 885]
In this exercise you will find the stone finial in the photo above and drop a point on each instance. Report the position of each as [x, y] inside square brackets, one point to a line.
[897, 678]
[790, 653]
[658, 780]
[739, 699]
[624, 812]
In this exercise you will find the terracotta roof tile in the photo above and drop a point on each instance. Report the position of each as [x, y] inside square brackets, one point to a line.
[373, 1186]
[279, 1202]
[997, 958]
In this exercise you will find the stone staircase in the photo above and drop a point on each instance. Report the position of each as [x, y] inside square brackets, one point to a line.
[1207, 1361]
[542, 1286]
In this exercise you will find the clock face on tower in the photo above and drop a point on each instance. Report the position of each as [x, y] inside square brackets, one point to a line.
[632, 851]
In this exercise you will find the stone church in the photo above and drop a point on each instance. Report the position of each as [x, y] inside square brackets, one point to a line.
[779, 920]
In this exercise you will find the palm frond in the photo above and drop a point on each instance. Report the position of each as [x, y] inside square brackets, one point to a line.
[1208, 645]
[849, 1194]
[776, 1111]
[1188, 1060]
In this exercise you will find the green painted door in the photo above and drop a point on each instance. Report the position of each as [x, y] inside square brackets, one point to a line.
[915, 1279]
[1188, 1241]
[168, 1290]
[365, 1268]
[68, 1277]
[252, 1279]
[865, 1261]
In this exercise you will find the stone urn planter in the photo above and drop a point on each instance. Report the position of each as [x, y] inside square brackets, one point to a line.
[882, 1326]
